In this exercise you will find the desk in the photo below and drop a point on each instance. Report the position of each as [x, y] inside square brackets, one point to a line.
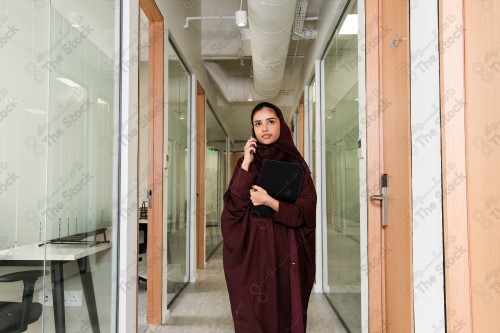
[56, 255]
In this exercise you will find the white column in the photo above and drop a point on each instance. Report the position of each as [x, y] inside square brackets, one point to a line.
[191, 244]
[428, 281]
[321, 258]
[127, 264]
[363, 209]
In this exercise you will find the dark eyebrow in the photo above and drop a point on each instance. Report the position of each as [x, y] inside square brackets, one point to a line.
[265, 119]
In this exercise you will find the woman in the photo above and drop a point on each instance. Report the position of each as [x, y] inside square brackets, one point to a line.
[268, 261]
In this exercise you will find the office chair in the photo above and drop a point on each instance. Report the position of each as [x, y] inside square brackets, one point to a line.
[16, 316]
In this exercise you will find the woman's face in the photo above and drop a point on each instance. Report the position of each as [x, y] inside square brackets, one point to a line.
[266, 126]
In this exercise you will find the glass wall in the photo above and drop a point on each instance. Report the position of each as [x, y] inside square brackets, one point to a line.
[312, 126]
[142, 171]
[215, 162]
[177, 175]
[342, 275]
[59, 157]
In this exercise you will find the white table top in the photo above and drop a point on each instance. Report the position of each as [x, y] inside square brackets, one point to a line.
[52, 252]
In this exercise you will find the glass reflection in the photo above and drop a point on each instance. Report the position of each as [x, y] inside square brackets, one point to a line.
[178, 175]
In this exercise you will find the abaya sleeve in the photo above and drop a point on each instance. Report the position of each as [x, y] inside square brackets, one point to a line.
[236, 205]
[303, 211]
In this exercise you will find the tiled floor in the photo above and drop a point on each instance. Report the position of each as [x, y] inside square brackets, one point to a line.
[204, 306]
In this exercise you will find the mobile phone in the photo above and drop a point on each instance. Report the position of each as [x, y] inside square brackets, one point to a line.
[253, 136]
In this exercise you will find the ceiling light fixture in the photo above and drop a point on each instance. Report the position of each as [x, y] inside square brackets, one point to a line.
[250, 95]
[350, 25]
[74, 19]
[68, 82]
[241, 16]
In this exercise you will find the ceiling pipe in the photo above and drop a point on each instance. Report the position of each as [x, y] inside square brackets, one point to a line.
[191, 18]
[270, 24]
[234, 88]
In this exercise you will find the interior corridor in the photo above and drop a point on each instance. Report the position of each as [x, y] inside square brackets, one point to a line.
[204, 306]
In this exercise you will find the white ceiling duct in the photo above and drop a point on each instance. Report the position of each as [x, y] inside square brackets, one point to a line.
[233, 88]
[270, 24]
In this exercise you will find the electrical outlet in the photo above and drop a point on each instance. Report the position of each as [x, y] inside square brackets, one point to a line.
[71, 298]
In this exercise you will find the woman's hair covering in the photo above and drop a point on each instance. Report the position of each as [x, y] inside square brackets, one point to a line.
[284, 144]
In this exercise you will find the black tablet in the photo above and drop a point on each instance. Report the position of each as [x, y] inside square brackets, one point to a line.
[282, 181]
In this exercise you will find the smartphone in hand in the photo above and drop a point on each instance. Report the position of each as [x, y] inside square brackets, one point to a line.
[253, 136]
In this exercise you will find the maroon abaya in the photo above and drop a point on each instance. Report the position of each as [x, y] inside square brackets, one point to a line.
[269, 262]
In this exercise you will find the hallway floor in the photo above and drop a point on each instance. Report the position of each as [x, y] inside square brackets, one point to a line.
[204, 306]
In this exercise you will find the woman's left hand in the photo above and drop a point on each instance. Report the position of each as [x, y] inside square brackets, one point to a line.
[259, 196]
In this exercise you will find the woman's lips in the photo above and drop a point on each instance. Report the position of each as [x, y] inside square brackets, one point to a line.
[266, 136]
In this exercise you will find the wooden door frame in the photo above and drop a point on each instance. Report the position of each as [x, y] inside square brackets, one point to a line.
[375, 237]
[375, 107]
[155, 161]
[200, 177]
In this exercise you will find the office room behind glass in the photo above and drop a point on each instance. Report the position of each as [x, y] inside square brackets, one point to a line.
[215, 164]
[175, 199]
[58, 130]
[342, 273]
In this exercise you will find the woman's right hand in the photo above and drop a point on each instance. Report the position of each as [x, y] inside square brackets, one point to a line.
[249, 150]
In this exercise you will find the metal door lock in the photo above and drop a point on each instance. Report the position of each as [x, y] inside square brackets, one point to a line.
[150, 197]
[383, 199]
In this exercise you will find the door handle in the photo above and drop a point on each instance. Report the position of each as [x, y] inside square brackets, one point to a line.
[384, 201]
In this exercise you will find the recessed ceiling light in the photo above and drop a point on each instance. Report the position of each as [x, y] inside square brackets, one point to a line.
[69, 82]
[37, 111]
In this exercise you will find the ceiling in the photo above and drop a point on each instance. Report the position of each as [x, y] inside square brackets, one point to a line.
[222, 44]
[226, 45]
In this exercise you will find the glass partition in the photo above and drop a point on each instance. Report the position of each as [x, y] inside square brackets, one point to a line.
[312, 118]
[143, 172]
[215, 161]
[59, 158]
[176, 199]
[342, 281]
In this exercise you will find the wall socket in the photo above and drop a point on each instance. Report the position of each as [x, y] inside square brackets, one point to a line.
[71, 298]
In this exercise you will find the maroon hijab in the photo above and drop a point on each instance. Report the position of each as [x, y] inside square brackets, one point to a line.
[282, 149]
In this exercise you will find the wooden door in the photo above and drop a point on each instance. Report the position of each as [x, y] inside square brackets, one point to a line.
[155, 162]
[389, 152]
